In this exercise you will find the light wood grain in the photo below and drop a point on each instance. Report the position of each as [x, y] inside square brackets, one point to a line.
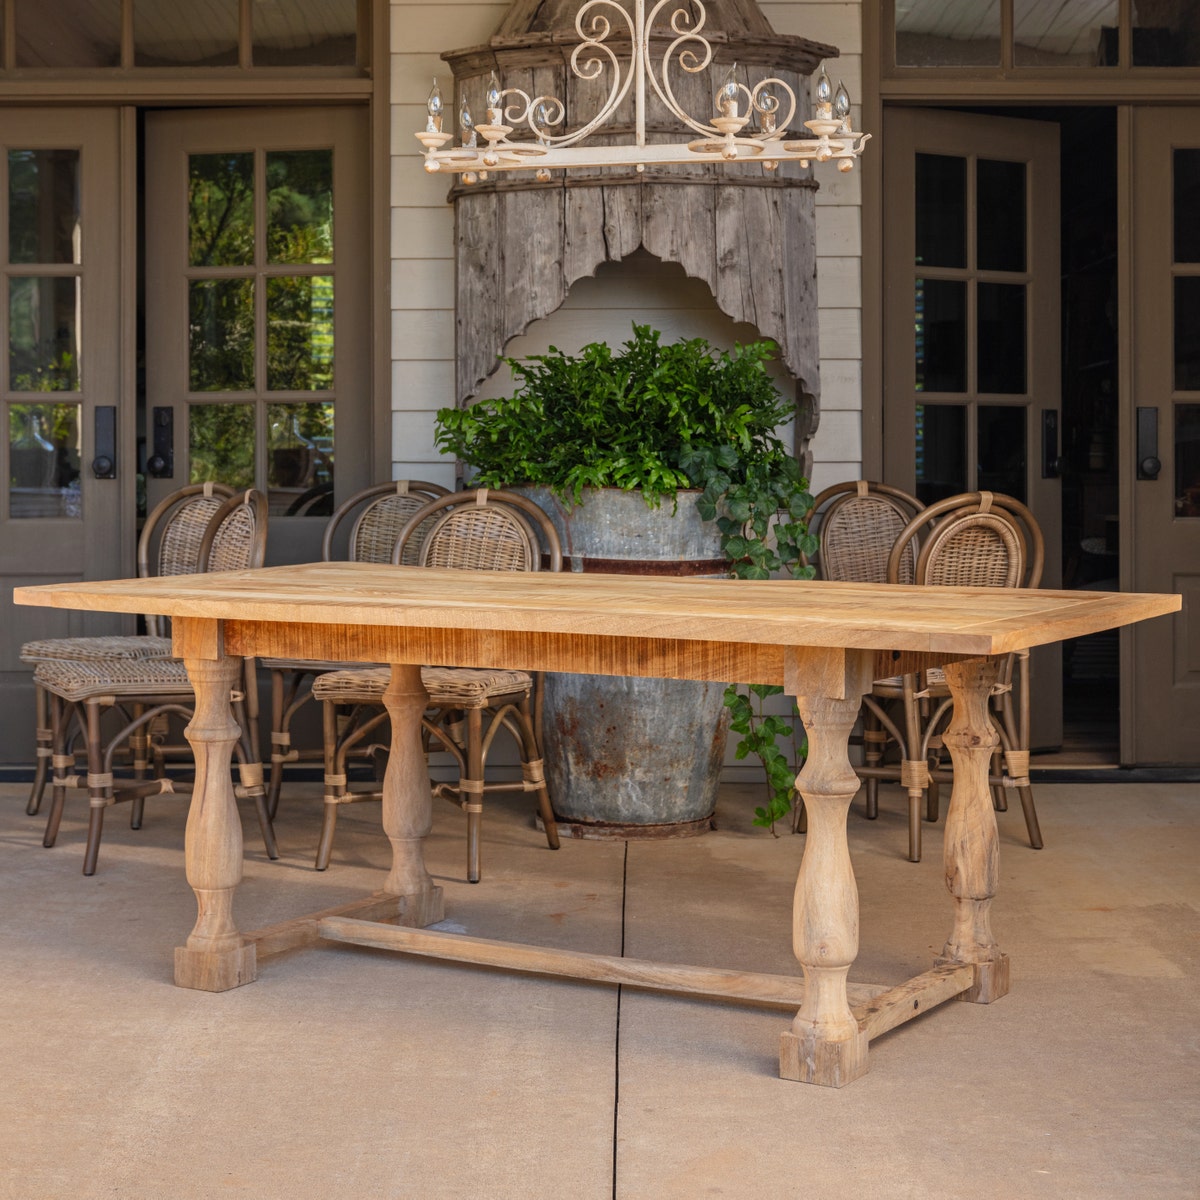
[784, 991]
[964, 621]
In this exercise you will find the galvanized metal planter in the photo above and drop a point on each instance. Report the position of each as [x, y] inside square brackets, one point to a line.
[630, 757]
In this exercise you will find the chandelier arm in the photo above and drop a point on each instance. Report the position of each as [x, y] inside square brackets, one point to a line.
[663, 88]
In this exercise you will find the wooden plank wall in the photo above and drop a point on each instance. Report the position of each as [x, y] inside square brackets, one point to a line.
[603, 307]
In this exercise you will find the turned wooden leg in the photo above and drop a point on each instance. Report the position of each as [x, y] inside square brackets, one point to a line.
[825, 1044]
[45, 748]
[408, 800]
[972, 850]
[215, 958]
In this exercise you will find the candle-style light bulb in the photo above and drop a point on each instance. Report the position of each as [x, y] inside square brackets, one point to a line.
[466, 123]
[727, 94]
[493, 100]
[841, 105]
[541, 122]
[434, 105]
[824, 95]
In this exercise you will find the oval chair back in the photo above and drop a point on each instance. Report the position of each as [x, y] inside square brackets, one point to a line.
[382, 513]
[857, 524]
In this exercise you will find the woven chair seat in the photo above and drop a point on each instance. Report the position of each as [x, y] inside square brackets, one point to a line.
[464, 687]
[92, 648]
[82, 680]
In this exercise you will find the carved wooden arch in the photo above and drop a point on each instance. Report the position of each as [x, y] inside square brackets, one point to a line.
[750, 236]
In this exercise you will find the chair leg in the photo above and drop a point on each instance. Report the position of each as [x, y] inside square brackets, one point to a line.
[533, 770]
[60, 725]
[874, 740]
[45, 748]
[280, 743]
[139, 745]
[329, 820]
[97, 788]
[470, 787]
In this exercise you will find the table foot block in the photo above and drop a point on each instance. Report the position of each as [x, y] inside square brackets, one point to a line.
[215, 971]
[991, 979]
[426, 908]
[808, 1059]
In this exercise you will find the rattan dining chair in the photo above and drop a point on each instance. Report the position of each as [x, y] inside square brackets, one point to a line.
[976, 539]
[486, 530]
[857, 524]
[363, 529]
[143, 690]
[169, 544]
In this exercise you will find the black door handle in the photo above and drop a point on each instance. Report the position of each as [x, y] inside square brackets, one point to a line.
[1148, 462]
[161, 463]
[104, 441]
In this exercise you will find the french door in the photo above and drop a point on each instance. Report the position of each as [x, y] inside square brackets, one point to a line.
[66, 504]
[972, 372]
[1163, 441]
[258, 347]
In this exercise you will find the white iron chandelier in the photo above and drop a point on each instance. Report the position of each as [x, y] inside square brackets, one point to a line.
[749, 125]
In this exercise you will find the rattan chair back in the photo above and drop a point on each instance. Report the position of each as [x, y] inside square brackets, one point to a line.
[382, 513]
[483, 529]
[857, 524]
[236, 537]
[976, 539]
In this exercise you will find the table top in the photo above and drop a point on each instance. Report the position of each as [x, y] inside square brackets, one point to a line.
[967, 621]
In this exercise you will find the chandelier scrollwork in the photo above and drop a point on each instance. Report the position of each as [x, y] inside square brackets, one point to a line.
[750, 124]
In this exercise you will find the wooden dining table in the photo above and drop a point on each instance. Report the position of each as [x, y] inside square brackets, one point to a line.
[823, 642]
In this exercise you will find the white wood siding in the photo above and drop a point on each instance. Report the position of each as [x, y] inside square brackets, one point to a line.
[422, 254]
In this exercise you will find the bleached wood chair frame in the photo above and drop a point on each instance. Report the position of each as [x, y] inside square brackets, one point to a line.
[976, 539]
[379, 515]
[480, 529]
[144, 691]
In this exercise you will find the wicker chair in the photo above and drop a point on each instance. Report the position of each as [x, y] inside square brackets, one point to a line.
[379, 514]
[477, 530]
[169, 545]
[144, 689]
[857, 524]
[977, 539]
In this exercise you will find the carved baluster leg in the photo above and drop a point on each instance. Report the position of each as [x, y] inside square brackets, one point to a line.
[408, 800]
[972, 852]
[215, 958]
[825, 1044]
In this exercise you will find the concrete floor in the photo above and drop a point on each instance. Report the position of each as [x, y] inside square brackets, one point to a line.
[350, 1073]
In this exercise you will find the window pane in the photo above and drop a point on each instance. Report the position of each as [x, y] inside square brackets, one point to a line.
[941, 451]
[185, 35]
[68, 33]
[221, 444]
[1187, 205]
[43, 206]
[300, 206]
[1000, 209]
[1187, 460]
[300, 459]
[1001, 339]
[43, 460]
[1002, 449]
[1077, 33]
[941, 335]
[1187, 334]
[932, 33]
[42, 338]
[941, 210]
[1166, 35]
[316, 33]
[221, 210]
[221, 335]
[300, 333]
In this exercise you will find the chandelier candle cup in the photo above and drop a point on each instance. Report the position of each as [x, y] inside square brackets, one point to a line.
[730, 137]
